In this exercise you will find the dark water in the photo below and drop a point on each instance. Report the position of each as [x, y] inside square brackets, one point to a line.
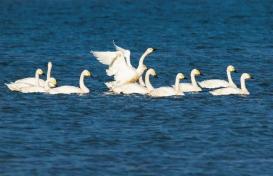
[99, 134]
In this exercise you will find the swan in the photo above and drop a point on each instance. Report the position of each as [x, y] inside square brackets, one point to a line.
[163, 91]
[119, 68]
[32, 80]
[40, 89]
[191, 87]
[18, 85]
[217, 83]
[234, 90]
[72, 89]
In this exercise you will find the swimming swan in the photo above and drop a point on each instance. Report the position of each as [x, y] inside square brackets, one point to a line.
[42, 83]
[119, 68]
[72, 89]
[163, 91]
[18, 85]
[234, 90]
[217, 83]
[193, 86]
[40, 89]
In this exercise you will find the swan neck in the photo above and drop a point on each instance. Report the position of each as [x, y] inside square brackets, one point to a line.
[193, 80]
[243, 85]
[141, 82]
[82, 85]
[176, 85]
[37, 79]
[46, 86]
[48, 74]
[141, 60]
[230, 81]
[147, 82]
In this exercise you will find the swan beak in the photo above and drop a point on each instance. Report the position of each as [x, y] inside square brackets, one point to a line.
[154, 49]
[156, 76]
[185, 78]
[235, 71]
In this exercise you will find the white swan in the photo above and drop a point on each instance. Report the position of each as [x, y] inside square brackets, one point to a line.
[42, 83]
[193, 86]
[40, 89]
[119, 68]
[18, 85]
[163, 91]
[234, 90]
[72, 89]
[217, 83]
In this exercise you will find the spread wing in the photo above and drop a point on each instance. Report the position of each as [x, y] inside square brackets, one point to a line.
[105, 57]
[127, 53]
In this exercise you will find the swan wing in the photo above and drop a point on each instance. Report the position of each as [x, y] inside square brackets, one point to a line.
[163, 92]
[214, 83]
[105, 57]
[225, 91]
[65, 90]
[127, 53]
[31, 81]
[130, 88]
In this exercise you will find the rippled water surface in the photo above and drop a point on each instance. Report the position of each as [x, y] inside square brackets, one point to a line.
[100, 134]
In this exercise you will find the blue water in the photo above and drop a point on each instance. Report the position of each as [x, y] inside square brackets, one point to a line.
[100, 134]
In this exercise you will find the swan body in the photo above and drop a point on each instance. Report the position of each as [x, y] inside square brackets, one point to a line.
[18, 85]
[72, 89]
[163, 91]
[130, 88]
[38, 88]
[120, 67]
[217, 83]
[234, 90]
[42, 83]
[193, 86]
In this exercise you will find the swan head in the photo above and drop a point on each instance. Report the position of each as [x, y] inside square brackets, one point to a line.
[150, 50]
[196, 72]
[52, 82]
[246, 76]
[39, 71]
[231, 68]
[86, 73]
[180, 76]
[49, 64]
[152, 72]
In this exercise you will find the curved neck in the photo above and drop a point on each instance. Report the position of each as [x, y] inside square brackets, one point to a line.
[147, 81]
[176, 85]
[82, 85]
[48, 72]
[243, 85]
[193, 80]
[141, 82]
[230, 81]
[141, 60]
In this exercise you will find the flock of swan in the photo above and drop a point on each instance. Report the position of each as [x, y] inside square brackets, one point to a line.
[129, 79]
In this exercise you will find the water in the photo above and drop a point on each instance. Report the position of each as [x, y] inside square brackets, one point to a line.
[100, 134]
